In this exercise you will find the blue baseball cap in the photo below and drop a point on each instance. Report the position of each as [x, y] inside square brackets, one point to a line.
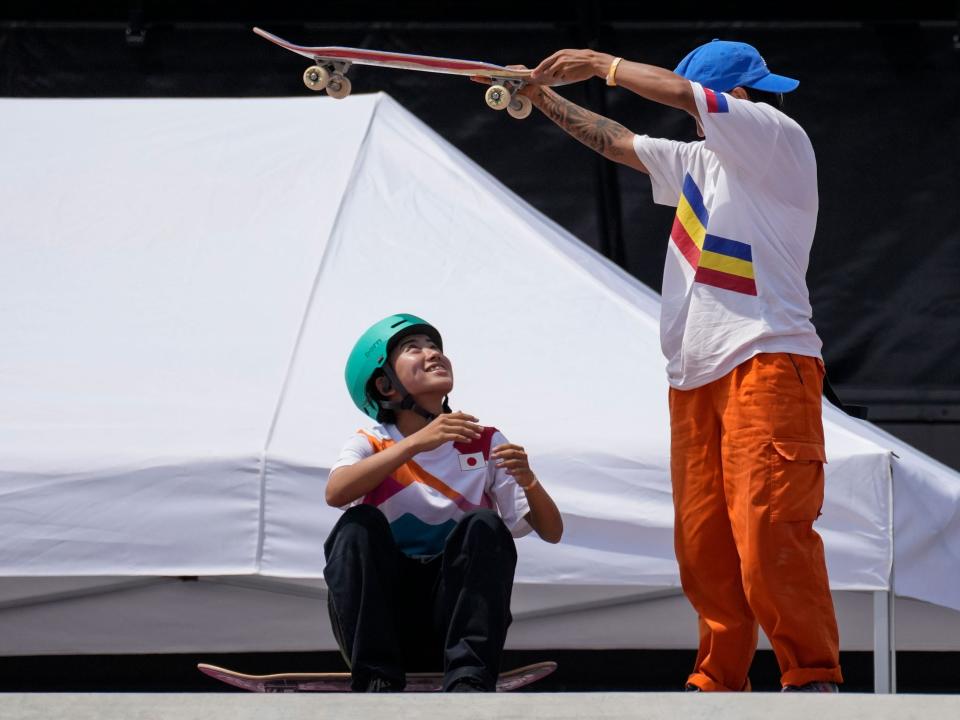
[722, 65]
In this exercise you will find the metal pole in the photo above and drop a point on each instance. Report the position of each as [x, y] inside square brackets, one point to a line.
[881, 642]
[884, 601]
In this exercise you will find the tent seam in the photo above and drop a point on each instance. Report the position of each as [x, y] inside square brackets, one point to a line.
[354, 172]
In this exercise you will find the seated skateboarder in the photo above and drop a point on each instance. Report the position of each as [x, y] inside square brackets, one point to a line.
[420, 566]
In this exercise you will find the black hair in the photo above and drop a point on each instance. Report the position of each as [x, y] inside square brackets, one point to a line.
[770, 98]
[384, 415]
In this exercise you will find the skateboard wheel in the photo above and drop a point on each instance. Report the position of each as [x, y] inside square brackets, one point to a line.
[338, 87]
[520, 107]
[497, 97]
[316, 78]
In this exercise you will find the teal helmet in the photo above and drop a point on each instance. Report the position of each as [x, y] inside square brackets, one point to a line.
[370, 353]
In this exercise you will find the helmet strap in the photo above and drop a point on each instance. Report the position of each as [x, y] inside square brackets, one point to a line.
[406, 399]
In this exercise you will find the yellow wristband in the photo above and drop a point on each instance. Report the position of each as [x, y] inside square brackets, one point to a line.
[612, 72]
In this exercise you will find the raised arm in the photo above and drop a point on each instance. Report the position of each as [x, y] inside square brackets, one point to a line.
[609, 138]
[654, 83]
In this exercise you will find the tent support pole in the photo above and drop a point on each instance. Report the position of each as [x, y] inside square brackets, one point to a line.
[884, 652]
[884, 640]
[884, 601]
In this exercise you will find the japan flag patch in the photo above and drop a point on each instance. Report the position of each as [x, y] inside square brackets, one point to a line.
[471, 461]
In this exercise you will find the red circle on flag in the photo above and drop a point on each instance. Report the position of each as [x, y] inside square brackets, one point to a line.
[471, 461]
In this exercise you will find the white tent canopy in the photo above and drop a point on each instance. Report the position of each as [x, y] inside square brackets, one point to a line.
[181, 282]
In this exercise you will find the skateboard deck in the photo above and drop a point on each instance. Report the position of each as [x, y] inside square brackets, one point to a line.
[340, 681]
[329, 71]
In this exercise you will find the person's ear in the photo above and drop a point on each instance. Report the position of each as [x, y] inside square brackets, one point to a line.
[740, 93]
[384, 386]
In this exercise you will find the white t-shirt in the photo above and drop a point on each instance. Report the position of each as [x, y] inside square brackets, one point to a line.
[734, 282]
[425, 498]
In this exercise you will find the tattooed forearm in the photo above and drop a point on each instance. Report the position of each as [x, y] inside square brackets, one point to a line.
[595, 131]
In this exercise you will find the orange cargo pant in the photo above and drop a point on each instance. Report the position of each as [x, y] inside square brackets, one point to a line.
[746, 461]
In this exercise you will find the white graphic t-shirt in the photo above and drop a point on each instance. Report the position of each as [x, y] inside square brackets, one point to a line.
[425, 498]
[734, 281]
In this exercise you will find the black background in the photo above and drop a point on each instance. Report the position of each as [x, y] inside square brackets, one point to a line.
[879, 97]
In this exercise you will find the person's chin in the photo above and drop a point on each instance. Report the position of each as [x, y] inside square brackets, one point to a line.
[437, 386]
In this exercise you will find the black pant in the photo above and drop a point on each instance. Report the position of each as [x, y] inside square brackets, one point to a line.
[392, 613]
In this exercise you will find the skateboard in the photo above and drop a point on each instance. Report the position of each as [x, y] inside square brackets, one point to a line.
[340, 681]
[329, 72]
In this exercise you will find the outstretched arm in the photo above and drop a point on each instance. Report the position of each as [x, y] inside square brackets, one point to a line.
[654, 83]
[609, 138]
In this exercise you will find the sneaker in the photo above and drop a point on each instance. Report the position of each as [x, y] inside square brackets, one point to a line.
[467, 684]
[819, 686]
[381, 685]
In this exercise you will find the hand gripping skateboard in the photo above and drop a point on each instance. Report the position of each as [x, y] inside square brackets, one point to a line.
[329, 71]
[340, 681]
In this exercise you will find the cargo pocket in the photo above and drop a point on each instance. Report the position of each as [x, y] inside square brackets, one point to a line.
[796, 480]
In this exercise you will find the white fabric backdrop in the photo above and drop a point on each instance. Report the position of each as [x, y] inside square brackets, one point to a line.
[181, 281]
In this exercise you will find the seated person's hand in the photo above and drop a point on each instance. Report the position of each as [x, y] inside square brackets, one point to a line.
[448, 427]
[514, 459]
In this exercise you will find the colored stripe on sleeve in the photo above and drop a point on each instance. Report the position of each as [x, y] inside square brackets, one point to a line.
[690, 224]
[716, 102]
[695, 199]
[685, 243]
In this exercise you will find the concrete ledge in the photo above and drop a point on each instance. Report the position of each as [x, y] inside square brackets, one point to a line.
[530, 706]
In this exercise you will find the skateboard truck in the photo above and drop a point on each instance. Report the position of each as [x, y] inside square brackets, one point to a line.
[504, 95]
[330, 76]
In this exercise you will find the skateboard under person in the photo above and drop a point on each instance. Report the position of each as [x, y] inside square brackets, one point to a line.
[743, 357]
[420, 566]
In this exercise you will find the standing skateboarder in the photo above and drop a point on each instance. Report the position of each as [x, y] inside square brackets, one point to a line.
[743, 357]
